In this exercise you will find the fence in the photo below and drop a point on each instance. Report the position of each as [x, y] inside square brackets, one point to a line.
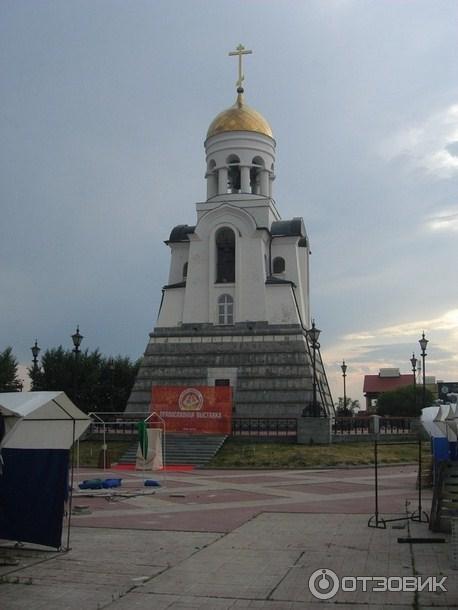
[265, 428]
[372, 425]
[280, 428]
[121, 429]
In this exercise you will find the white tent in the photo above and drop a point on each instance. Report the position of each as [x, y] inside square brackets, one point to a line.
[40, 420]
[441, 420]
[37, 430]
[452, 423]
[429, 418]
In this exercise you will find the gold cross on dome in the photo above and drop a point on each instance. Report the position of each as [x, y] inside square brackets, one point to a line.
[240, 50]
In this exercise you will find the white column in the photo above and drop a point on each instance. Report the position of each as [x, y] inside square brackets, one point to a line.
[245, 179]
[265, 190]
[222, 180]
[212, 184]
[257, 187]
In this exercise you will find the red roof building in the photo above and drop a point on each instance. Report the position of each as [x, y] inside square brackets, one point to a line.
[385, 381]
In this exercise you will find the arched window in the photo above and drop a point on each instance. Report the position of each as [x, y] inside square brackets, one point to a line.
[225, 309]
[257, 165]
[185, 271]
[225, 255]
[233, 174]
[278, 265]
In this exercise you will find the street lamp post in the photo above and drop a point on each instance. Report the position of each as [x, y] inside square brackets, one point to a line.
[35, 351]
[344, 367]
[314, 334]
[418, 515]
[77, 337]
[413, 362]
[423, 343]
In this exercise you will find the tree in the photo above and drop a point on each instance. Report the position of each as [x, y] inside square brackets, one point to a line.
[117, 376]
[101, 384]
[9, 381]
[403, 402]
[350, 409]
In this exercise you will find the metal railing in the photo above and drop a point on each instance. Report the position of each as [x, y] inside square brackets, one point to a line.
[278, 427]
[367, 425]
[113, 428]
[265, 427]
[396, 425]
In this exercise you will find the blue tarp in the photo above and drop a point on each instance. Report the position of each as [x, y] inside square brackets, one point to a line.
[440, 449]
[33, 490]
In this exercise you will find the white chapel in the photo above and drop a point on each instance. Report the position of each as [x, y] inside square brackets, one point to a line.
[236, 306]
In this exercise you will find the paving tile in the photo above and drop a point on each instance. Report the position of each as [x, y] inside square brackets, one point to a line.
[218, 496]
[243, 540]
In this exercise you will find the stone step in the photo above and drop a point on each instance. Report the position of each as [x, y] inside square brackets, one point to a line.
[183, 449]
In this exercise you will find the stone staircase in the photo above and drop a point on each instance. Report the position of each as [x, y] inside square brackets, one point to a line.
[183, 449]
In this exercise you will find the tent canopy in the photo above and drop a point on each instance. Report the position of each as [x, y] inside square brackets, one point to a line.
[40, 420]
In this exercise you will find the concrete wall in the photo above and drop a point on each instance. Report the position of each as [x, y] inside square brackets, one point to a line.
[314, 430]
[179, 256]
[281, 308]
[171, 313]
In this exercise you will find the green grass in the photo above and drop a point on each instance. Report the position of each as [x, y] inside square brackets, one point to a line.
[249, 454]
[89, 451]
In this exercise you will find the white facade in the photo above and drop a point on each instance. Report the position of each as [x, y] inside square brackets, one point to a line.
[236, 307]
[239, 207]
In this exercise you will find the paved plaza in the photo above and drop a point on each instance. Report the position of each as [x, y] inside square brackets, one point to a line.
[220, 539]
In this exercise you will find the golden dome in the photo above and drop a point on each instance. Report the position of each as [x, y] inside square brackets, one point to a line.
[239, 117]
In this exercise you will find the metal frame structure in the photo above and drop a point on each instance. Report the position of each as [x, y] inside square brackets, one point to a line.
[376, 520]
[104, 422]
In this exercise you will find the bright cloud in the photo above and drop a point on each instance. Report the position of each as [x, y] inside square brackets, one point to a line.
[447, 321]
[366, 352]
[445, 221]
[430, 146]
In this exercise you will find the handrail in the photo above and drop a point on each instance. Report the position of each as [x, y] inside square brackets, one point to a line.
[323, 370]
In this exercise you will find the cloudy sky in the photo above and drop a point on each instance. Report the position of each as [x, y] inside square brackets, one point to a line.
[104, 109]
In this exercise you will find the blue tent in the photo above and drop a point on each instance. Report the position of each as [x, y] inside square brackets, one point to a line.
[37, 430]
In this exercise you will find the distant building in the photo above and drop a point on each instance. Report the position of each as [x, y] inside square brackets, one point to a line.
[385, 381]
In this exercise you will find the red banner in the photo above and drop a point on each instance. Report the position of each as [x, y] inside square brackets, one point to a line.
[200, 409]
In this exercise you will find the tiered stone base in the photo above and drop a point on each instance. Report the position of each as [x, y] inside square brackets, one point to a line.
[268, 366]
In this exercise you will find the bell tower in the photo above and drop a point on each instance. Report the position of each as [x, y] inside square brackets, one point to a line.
[236, 306]
[240, 149]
